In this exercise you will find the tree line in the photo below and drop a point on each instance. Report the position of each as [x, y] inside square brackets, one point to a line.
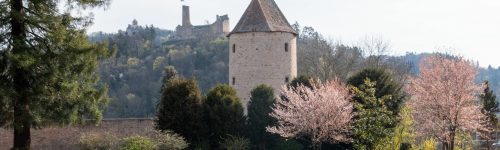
[369, 111]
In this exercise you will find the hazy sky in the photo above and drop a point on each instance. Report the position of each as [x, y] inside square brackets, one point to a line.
[470, 28]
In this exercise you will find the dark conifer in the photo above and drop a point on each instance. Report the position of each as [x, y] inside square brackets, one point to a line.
[224, 114]
[180, 109]
[47, 71]
[260, 105]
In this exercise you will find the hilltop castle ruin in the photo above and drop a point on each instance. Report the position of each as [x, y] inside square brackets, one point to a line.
[187, 31]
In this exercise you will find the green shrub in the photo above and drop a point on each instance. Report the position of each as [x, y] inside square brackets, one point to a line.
[235, 143]
[137, 143]
[95, 141]
[291, 144]
[167, 140]
[429, 144]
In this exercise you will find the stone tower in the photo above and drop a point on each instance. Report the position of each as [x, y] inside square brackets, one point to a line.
[262, 50]
[186, 18]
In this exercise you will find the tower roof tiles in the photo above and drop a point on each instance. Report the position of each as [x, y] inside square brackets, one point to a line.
[263, 16]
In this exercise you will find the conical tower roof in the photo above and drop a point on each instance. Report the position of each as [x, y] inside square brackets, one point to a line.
[263, 16]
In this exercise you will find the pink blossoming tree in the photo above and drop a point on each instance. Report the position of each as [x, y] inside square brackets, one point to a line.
[444, 99]
[321, 114]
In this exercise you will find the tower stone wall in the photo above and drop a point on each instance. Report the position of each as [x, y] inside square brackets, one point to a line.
[261, 58]
[262, 50]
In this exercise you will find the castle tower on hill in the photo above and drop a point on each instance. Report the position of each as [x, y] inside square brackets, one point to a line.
[189, 31]
[263, 50]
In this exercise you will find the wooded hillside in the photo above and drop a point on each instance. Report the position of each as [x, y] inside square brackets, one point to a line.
[134, 72]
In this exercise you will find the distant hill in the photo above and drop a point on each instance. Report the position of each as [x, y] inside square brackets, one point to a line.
[134, 73]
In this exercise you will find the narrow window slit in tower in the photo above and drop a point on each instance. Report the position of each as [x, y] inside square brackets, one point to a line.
[286, 47]
[234, 48]
[234, 80]
[287, 79]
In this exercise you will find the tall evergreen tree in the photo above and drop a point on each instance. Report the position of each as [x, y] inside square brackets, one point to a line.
[490, 105]
[224, 113]
[377, 93]
[373, 119]
[47, 65]
[260, 105]
[385, 86]
[180, 109]
[490, 109]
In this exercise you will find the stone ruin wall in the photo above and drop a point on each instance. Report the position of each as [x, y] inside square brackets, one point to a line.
[187, 31]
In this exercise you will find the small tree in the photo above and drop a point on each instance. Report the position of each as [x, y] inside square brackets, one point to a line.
[490, 109]
[260, 105]
[322, 113]
[180, 109]
[385, 86]
[224, 113]
[444, 99]
[404, 133]
[373, 119]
